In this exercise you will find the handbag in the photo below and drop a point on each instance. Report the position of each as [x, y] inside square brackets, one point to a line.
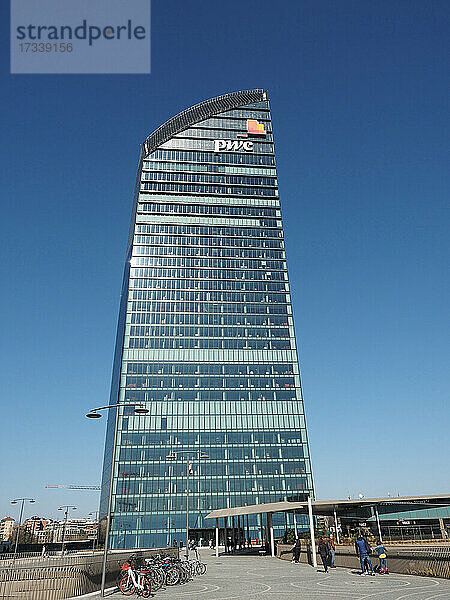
[382, 555]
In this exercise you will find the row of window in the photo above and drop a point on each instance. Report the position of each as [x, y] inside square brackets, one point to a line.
[207, 319]
[217, 230]
[214, 134]
[211, 397]
[225, 484]
[242, 274]
[235, 122]
[169, 240]
[222, 306]
[208, 284]
[179, 250]
[214, 438]
[191, 368]
[208, 178]
[209, 332]
[208, 344]
[179, 142]
[171, 470]
[203, 188]
[156, 165]
[203, 209]
[216, 453]
[260, 111]
[209, 200]
[217, 381]
[233, 158]
[214, 263]
[182, 142]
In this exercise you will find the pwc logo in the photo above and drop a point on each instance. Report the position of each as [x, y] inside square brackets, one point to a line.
[232, 145]
[253, 129]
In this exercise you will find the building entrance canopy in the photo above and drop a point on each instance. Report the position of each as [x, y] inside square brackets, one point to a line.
[358, 508]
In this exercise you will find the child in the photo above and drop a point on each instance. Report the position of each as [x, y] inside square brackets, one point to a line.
[381, 553]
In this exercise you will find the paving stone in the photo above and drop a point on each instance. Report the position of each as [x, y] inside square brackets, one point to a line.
[244, 577]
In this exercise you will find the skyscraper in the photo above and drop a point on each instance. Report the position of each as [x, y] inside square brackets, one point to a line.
[206, 334]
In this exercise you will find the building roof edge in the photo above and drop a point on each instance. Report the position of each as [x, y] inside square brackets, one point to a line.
[200, 112]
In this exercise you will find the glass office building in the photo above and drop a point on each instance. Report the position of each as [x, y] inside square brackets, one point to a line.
[206, 335]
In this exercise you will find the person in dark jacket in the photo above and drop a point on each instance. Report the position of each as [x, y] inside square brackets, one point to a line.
[309, 553]
[362, 551]
[324, 550]
[296, 549]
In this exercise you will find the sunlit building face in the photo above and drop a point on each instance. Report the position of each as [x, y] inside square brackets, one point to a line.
[206, 335]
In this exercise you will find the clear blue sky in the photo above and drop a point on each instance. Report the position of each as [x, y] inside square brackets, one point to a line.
[359, 99]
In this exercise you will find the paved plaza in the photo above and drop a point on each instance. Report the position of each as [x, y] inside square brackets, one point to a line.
[258, 578]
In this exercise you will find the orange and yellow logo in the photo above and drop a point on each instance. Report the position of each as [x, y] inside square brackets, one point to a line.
[253, 128]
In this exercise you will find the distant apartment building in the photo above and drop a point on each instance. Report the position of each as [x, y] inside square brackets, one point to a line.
[6, 529]
[33, 525]
[75, 530]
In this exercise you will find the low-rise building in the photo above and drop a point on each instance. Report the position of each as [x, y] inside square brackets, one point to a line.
[6, 529]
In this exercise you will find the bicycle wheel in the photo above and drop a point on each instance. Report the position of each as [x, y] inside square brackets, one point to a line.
[147, 585]
[172, 576]
[201, 568]
[126, 586]
[157, 579]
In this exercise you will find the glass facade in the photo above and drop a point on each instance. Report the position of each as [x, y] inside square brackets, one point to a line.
[206, 334]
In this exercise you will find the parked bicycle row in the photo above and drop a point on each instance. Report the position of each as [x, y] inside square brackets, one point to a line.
[144, 576]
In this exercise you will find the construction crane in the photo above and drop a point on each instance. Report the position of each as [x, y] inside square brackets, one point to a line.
[74, 487]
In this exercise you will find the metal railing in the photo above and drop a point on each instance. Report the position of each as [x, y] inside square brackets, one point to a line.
[59, 577]
[430, 561]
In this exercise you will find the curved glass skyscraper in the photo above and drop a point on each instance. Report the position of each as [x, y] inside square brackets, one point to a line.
[206, 335]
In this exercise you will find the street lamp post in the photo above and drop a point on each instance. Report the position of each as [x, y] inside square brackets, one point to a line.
[15, 501]
[188, 468]
[95, 540]
[66, 509]
[139, 409]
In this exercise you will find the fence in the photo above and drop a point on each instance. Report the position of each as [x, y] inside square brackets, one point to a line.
[427, 561]
[68, 575]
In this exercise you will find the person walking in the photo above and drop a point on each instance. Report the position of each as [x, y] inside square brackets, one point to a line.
[332, 551]
[324, 550]
[175, 545]
[296, 549]
[381, 553]
[362, 551]
[309, 553]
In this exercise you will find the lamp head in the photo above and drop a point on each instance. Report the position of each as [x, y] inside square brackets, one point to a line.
[93, 415]
[141, 410]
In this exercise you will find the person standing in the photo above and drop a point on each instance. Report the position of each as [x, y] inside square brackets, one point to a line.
[332, 551]
[324, 550]
[362, 551]
[296, 549]
[381, 553]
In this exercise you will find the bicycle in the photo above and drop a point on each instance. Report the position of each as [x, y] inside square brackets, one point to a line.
[136, 581]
